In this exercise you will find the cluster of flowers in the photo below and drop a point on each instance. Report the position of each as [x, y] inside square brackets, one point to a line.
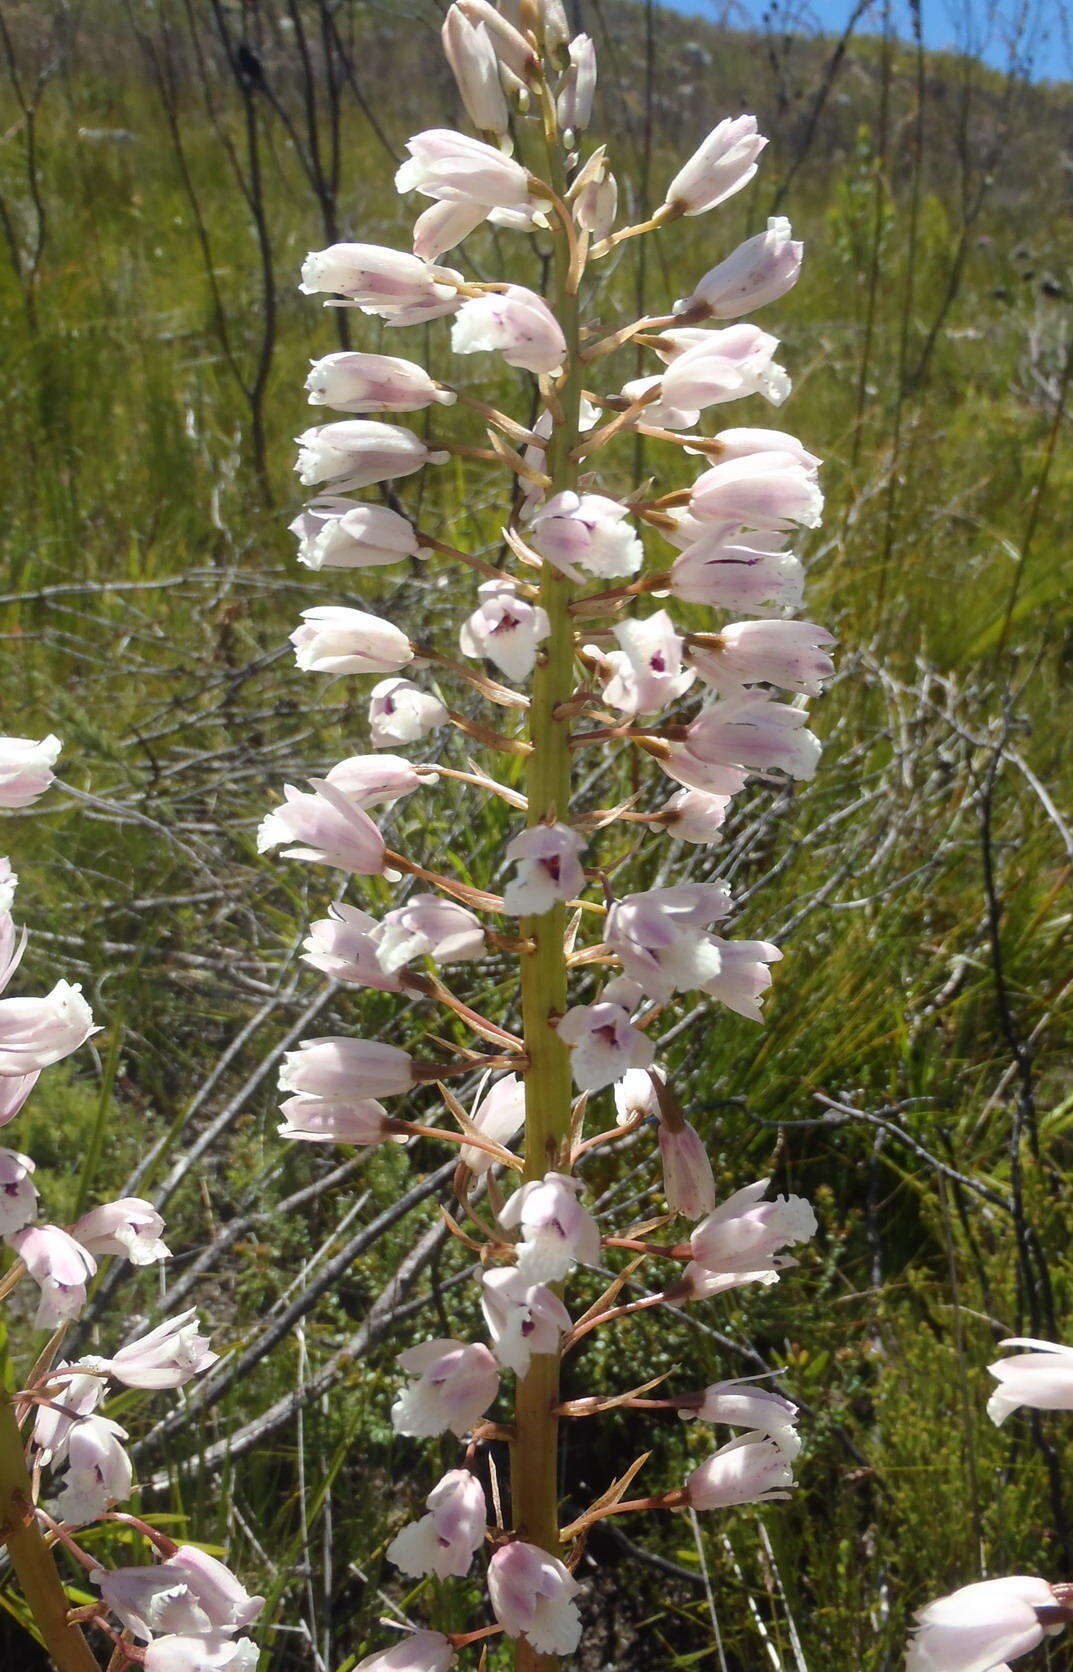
[181, 1613]
[982, 1627]
[615, 683]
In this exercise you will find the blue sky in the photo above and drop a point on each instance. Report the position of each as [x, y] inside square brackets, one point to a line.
[985, 27]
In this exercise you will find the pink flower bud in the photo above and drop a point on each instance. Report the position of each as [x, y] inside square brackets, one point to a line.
[788, 653]
[352, 382]
[74, 1394]
[688, 1180]
[722, 165]
[343, 945]
[646, 672]
[335, 639]
[356, 452]
[445, 1540]
[167, 1357]
[715, 569]
[60, 1267]
[513, 50]
[522, 1318]
[695, 816]
[515, 323]
[499, 1115]
[636, 1095]
[129, 1228]
[360, 1121]
[341, 1069]
[604, 1044]
[983, 1626]
[748, 1470]
[1041, 1379]
[746, 1233]
[428, 926]
[770, 491]
[34, 1033]
[327, 830]
[99, 1473]
[401, 288]
[744, 976]
[18, 1196]
[505, 629]
[532, 1596]
[443, 225]
[453, 168]
[744, 1405]
[400, 712]
[574, 104]
[376, 780]
[26, 768]
[420, 1651]
[452, 1385]
[596, 205]
[757, 272]
[557, 1232]
[747, 441]
[344, 534]
[469, 51]
[548, 869]
[659, 937]
[215, 1652]
[586, 534]
[750, 731]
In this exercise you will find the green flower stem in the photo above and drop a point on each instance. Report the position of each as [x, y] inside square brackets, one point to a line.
[31, 1557]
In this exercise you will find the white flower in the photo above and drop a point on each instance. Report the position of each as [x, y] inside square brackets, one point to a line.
[695, 816]
[18, 1194]
[421, 1651]
[452, 1385]
[214, 1652]
[586, 534]
[749, 1470]
[356, 452]
[532, 1595]
[515, 323]
[792, 654]
[658, 935]
[604, 1044]
[1041, 1379]
[400, 712]
[688, 1180]
[741, 1404]
[548, 869]
[743, 977]
[335, 533]
[983, 1626]
[506, 629]
[400, 288]
[557, 1232]
[722, 165]
[499, 1115]
[335, 639]
[445, 1540]
[522, 1318]
[452, 167]
[129, 1228]
[98, 1474]
[749, 730]
[646, 672]
[757, 272]
[26, 768]
[469, 51]
[353, 382]
[745, 1234]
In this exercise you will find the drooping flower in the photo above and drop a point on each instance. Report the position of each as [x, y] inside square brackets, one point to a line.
[506, 629]
[688, 1180]
[73, 1393]
[721, 166]
[741, 1404]
[214, 1652]
[731, 572]
[60, 1267]
[189, 1593]
[523, 1318]
[1041, 1379]
[557, 1231]
[749, 1470]
[771, 491]
[514, 322]
[635, 1094]
[532, 1595]
[99, 1472]
[129, 1228]
[756, 273]
[983, 1626]
[452, 1383]
[34, 1033]
[443, 225]
[452, 167]
[586, 534]
[445, 1540]
[344, 946]
[604, 1044]
[400, 712]
[469, 51]
[377, 780]
[335, 639]
[500, 1115]
[695, 816]
[744, 976]
[578, 89]
[356, 452]
[659, 936]
[326, 828]
[707, 367]
[354, 382]
[428, 926]
[547, 869]
[26, 768]
[335, 533]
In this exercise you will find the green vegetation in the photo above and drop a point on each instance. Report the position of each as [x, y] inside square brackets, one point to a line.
[913, 1077]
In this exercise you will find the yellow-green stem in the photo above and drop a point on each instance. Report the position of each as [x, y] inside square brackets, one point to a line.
[31, 1557]
[534, 1463]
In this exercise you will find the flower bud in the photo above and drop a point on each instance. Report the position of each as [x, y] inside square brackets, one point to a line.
[548, 869]
[688, 1180]
[574, 104]
[469, 51]
[505, 629]
[341, 1069]
[512, 49]
[443, 225]
[522, 1318]
[532, 1596]
[167, 1357]
[60, 1267]
[375, 780]
[352, 382]
[344, 534]
[335, 639]
[400, 712]
[515, 323]
[604, 1044]
[452, 1385]
[451, 167]
[749, 1470]
[757, 272]
[359, 1121]
[557, 1232]
[586, 534]
[596, 205]
[356, 452]
[327, 830]
[399, 287]
[26, 768]
[34, 1033]
[721, 166]
[445, 1540]
[129, 1228]
[499, 1115]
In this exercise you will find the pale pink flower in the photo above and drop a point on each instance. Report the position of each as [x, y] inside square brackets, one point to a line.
[636, 1095]
[129, 1228]
[399, 287]
[721, 166]
[695, 816]
[604, 1044]
[18, 1195]
[315, 1120]
[167, 1357]
[325, 828]
[747, 441]
[342, 1069]
[791, 654]
[400, 712]
[747, 1233]
[749, 1470]
[336, 533]
[770, 491]
[353, 382]
[596, 204]
[14, 1090]
[226, 1601]
[1041, 1379]
[428, 926]
[451, 1387]
[719, 569]
[420, 1651]
[344, 946]
[500, 1115]
[659, 408]
[377, 780]
[445, 1540]
[532, 1596]
[659, 936]
[469, 51]
[214, 1652]
[34, 1033]
[73, 1393]
[646, 672]
[680, 763]
[60, 1267]
[99, 1472]
[578, 88]
[505, 629]
[757, 272]
[744, 976]
[191, 1592]
[741, 1404]
[717, 369]
[548, 869]
[688, 1180]
[751, 731]
[454, 168]
[516, 56]
[356, 452]
[557, 1232]
[981, 1627]
[26, 768]
[586, 534]
[443, 225]
[523, 1318]
[335, 639]
[515, 323]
